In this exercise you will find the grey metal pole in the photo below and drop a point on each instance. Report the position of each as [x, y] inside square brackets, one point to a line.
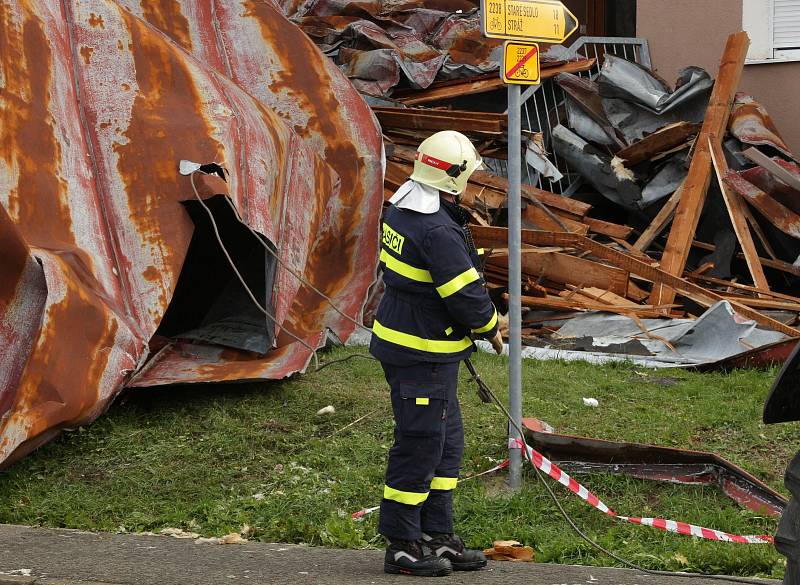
[514, 278]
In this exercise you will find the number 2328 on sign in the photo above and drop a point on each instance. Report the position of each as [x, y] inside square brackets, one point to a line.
[520, 63]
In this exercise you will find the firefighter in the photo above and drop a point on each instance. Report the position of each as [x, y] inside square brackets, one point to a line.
[434, 305]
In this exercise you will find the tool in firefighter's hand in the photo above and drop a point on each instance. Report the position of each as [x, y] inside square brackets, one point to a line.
[483, 390]
[497, 342]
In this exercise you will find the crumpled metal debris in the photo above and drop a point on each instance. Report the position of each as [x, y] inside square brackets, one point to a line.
[536, 157]
[585, 112]
[99, 100]
[604, 173]
[751, 124]
[637, 103]
[717, 334]
[629, 81]
[666, 181]
[379, 45]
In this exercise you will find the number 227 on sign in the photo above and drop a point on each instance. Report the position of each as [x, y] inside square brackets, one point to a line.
[520, 63]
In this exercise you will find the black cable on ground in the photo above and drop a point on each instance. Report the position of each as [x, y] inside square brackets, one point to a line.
[587, 538]
[324, 365]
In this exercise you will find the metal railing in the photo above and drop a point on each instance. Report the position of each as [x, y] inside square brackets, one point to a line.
[543, 106]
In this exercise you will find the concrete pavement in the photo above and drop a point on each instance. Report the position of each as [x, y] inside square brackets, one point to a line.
[67, 557]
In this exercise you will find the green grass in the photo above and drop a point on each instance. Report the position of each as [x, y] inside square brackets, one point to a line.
[201, 457]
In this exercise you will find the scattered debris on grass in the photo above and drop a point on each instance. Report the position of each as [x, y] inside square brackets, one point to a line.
[509, 550]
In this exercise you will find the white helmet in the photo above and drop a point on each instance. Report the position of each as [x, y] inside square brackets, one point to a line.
[446, 161]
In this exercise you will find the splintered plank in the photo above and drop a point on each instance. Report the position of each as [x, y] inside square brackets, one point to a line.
[607, 297]
[490, 82]
[576, 208]
[743, 287]
[698, 179]
[546, 220]
[566, 269]
[697, 293]
[792, 179]
[738, 217]
[425, 119]
[662, 140]
[607, 228]
[571, 304]
[773, 304]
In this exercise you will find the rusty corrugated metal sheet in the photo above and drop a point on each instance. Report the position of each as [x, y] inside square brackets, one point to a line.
[380, 44]
[750, 123]
[589, 455]
[779, 215]
[99, 100]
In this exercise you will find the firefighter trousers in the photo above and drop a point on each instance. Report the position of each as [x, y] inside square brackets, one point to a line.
[425, 460]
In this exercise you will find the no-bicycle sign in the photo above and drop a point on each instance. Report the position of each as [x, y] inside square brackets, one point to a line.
[520, 63]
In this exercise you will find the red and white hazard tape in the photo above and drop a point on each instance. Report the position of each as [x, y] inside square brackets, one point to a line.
[548, 467]
[498, 467]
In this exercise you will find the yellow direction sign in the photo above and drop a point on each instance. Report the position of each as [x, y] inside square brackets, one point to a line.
[520, 63]
[547, 21]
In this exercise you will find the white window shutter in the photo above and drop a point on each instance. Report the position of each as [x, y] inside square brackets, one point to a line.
[757, 22]
[786, 24]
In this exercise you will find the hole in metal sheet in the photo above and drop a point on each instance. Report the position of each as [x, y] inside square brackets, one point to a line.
[210, 305]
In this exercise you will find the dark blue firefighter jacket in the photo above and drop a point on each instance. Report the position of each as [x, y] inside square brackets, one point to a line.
[434, 296]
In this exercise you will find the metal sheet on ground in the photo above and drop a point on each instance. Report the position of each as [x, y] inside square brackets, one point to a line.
[101, 99]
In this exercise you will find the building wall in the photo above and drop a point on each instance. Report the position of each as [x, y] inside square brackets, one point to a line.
[694, 32]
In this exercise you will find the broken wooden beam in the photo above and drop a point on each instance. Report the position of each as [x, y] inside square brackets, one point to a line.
[427, 119]
[572, 206]
[764, 303]
[567, 269]
[603, 296]
[736, 212]
[706, 298]
[543, 218]
[560, 304]
[660, 141]
[687, 214]
[480, 84]
[743, 287]
[606, 228]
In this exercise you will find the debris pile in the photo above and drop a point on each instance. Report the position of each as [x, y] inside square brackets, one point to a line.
[380, 45]
[610, 162]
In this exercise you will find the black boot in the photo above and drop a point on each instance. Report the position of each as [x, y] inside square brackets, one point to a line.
[409, 557]
[451, 547]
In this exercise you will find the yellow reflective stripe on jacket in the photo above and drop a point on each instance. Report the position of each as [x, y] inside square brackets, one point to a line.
[489, 326]
[410, 498]
[459, 282]
[444, 483]
[404, 269]
[414, 342]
